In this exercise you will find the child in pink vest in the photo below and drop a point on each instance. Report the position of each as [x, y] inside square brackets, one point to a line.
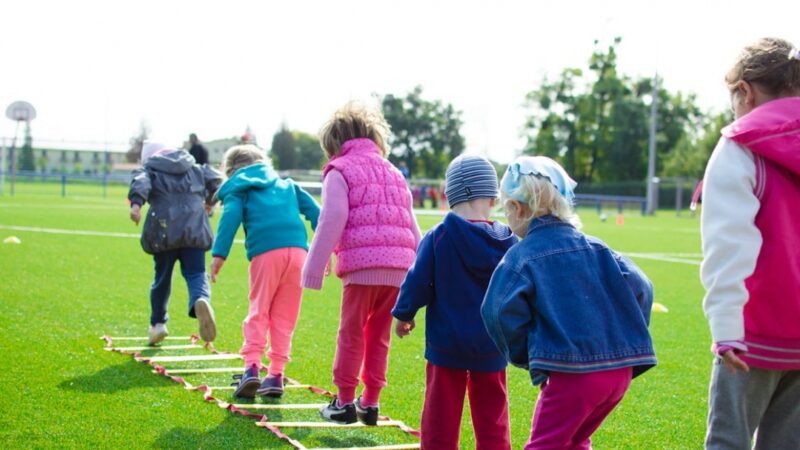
[367, 221]
[751, 249]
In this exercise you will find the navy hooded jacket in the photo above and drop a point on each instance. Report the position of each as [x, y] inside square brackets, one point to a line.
[450, 275]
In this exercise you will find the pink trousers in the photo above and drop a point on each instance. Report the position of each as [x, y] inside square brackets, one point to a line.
[572, 406]
[363, 342]
[444, 404]
[275, 295]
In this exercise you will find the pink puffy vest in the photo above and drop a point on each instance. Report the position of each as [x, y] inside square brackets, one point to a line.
[378, 233]
[772, 312]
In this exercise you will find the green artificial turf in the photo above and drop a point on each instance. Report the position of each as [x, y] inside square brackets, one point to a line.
[61, 292]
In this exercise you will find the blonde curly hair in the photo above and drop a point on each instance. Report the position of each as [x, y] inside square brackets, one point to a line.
[240, 156]
[352, 121]
[542, 198]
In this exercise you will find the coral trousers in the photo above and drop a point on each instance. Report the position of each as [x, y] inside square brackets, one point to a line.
[363, 341]
[275, 295]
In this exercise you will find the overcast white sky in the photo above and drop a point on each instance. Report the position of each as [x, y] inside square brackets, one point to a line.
[95, 69]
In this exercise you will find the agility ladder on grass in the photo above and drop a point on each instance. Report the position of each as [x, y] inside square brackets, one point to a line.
[249, 410]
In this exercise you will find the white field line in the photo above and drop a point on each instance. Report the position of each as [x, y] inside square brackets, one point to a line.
[663, 257]
[80, 232]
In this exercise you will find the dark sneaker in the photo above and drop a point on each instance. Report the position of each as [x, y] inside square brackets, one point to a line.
[248, 383]
[205, 315]
[367, 415]
[339, 414]
[272, 386]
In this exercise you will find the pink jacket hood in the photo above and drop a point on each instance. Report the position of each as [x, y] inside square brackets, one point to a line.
[772, 131]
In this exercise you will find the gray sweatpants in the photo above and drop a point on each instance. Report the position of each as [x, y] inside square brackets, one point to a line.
[740, 403]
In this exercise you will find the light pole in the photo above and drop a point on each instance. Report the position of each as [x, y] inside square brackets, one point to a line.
[651, 161]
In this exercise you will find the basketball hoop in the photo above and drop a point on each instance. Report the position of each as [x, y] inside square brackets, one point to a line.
[21, 111]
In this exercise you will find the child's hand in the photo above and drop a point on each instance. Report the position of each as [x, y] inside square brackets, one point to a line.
[209, 209]
[136, 213]
[403, 328]
[733, 362]
[328, 267]
[216, 266]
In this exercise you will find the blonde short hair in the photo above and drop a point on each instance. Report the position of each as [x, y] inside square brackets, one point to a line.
[352, 121]
[240, 156]
[542, 197]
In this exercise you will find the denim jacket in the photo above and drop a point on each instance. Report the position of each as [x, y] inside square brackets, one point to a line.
[563, 301]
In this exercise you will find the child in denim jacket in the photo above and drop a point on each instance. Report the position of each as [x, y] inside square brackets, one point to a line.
[565, 307]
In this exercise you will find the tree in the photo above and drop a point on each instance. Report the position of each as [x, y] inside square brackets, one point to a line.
[134, 154]
[26, 159]
[596, 123]
[283, 150]
[692, 151]
[425, 134]
[309, 154]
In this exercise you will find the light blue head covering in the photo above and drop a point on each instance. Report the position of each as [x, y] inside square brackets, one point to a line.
[540, 166]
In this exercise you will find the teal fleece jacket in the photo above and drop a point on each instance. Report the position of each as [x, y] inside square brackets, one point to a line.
[268, 207]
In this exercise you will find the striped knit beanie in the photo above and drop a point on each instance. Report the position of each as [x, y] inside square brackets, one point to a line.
[470, 177]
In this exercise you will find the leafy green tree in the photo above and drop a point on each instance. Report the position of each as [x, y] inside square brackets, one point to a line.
[309, 154]
[283, 150]
[596, 123]
[26, 159]
[692, 151]
[426, 134]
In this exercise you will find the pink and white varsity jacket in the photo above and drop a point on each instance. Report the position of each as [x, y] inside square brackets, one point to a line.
[750, 226]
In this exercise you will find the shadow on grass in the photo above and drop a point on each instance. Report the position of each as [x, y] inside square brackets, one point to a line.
[128, 375]
[233, 432]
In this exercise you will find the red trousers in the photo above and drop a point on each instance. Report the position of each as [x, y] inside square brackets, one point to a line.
[444, 404]
[363, 342]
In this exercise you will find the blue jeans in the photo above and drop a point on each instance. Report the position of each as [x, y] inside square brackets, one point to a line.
[193, 269]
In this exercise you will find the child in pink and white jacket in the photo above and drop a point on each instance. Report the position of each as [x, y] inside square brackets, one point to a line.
[368, 222]
[751, 249]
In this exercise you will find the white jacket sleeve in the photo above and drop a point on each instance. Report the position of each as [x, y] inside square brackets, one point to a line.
[731, 240]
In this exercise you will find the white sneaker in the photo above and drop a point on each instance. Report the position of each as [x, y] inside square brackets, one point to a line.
[205, 315]
[157, 333]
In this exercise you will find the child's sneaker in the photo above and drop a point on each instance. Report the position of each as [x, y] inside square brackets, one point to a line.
[272, 386]
[368, 415]
[157, 333]
[248, 383]
[343, 414]
[205, 315]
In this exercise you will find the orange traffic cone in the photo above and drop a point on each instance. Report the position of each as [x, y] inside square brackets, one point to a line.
[620, 219]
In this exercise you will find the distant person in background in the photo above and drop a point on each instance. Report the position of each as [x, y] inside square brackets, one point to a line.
[176, 228]
[751, 255]
[197, 150]
[404, 170]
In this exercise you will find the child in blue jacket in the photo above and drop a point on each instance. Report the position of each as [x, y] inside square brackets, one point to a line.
[565, 307]
[454, 263]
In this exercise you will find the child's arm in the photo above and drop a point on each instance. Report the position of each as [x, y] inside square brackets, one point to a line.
[506, 312]
[639, 283]
[308, 206]
[138, 193]
[332, 221]
[232, 213]
[213, 180]
[418, 288]
[731, 240]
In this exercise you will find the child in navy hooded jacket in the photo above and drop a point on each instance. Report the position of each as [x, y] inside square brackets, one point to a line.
[454, 264]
